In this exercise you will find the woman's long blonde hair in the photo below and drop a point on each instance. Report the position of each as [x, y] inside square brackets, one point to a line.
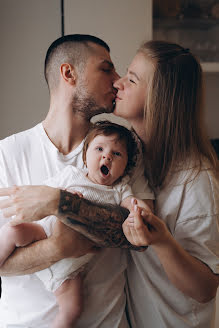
[174, 112]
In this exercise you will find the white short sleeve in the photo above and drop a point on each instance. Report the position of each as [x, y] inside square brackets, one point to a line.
[199, 237]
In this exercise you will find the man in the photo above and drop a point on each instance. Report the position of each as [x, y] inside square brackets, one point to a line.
[80, 77]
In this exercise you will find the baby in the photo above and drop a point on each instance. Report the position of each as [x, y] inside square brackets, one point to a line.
[109, 154]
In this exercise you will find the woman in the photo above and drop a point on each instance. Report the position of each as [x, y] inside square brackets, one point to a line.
[174, 283]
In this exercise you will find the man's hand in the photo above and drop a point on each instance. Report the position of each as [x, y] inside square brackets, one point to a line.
[29, 203]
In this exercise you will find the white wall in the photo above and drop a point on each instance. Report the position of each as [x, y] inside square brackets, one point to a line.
[27, 27]
[212, 105]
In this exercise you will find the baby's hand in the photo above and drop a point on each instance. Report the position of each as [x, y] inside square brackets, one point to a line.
[143, 228]
[75, 192]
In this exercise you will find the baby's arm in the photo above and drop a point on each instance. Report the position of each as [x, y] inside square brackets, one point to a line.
[129, 202]
[18, 236]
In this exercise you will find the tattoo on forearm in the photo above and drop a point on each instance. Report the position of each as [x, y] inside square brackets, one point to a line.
[100, 223]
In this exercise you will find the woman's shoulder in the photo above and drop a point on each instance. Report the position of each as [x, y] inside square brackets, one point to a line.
[189, 194]
[201, 194]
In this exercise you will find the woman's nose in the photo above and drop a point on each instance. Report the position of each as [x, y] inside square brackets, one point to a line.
[118, 84]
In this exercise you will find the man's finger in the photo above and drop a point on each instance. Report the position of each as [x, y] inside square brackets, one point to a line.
[15, 222]
[9, 212]
[7, 191]
[5, 203]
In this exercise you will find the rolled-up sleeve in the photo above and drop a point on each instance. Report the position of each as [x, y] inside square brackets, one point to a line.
[199, 236]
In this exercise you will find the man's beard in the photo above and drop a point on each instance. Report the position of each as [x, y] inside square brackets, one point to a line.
[86, 105]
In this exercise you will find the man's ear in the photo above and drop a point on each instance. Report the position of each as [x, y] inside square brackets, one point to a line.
[68, 73]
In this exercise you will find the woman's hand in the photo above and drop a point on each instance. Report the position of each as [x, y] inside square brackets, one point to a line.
[188, 274]
[29, 203]
[143, 228]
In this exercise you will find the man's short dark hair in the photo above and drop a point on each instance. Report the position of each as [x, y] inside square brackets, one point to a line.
[73, 49]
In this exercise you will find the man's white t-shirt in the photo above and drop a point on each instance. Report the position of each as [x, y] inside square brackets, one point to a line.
[28, 158]
[191, 213]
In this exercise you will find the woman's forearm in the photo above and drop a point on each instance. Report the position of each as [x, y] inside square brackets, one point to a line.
[187, 273]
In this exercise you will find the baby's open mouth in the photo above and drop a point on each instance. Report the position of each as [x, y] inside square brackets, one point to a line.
[104, 169]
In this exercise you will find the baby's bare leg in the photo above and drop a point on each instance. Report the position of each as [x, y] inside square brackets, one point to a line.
[70, 300]
[18, 236]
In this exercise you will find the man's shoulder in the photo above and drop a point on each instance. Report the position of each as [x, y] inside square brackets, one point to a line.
[20, 139]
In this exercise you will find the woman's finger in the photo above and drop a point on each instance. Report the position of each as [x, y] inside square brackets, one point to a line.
[127, 231]
[152, 219]
[141, 231]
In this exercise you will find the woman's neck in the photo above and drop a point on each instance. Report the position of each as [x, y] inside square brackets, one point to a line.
[140, 131]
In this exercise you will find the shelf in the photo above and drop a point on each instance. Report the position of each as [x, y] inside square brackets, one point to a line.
[200, 35]
[210, 67]
[185, 23]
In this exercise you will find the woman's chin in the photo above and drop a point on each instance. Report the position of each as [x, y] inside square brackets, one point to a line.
[117, 112]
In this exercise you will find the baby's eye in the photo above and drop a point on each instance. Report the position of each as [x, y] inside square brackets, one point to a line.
[132, 81]
[117, 153]
[99, 148]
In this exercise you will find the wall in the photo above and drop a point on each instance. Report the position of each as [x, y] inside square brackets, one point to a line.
[27, 27]
[212, 103]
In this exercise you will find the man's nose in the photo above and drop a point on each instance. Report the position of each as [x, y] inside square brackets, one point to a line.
[116, 77]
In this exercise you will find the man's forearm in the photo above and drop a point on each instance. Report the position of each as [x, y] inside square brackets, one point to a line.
[100, 223]
[29, 259]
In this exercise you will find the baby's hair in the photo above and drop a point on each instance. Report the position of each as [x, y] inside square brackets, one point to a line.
[108, 128]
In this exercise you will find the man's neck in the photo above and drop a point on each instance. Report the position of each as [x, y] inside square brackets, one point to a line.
[66, 132]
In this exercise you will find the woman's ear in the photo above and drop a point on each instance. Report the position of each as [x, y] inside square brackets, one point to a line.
[68, 73]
